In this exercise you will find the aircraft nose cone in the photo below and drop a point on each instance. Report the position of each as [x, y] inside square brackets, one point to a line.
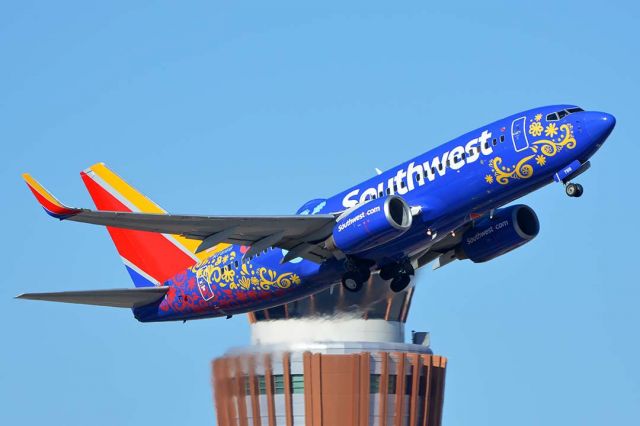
[600, 125]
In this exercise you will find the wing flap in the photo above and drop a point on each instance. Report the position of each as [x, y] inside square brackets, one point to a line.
[117, 298]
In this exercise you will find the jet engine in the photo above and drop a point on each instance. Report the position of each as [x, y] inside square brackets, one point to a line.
[490, 237]
[371, 224]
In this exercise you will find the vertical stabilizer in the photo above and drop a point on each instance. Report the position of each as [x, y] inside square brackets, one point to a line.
[150, 258]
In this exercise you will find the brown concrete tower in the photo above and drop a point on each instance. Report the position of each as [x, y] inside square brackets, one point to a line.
[335, 358]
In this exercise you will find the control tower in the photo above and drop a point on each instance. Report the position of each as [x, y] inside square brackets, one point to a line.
[335, 358]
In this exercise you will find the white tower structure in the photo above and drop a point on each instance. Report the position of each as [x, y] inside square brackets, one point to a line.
[334, 358]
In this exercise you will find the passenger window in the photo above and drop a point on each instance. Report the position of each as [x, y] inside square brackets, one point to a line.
[380, 194]
[433, 170]
[388, 191]
[495, 142]
[235, 264]
[501, 138]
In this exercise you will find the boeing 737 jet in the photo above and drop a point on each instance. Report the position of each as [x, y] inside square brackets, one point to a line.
[443, 205]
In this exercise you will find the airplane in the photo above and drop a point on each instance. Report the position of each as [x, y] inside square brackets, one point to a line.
[450, 203]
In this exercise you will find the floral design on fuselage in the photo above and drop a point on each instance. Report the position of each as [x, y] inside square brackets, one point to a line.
[521, 170]
[554, 140]
[550, 147]
[227, 270]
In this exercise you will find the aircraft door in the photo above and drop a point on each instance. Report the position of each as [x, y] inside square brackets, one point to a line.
[519, 134]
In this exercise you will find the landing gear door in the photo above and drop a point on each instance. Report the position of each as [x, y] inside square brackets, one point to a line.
[519, 134]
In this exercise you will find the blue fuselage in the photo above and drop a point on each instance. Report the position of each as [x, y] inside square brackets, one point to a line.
[448, 187]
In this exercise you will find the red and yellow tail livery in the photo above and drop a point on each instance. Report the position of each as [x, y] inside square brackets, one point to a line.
[150, 258]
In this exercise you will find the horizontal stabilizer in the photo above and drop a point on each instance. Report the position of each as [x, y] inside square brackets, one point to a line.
[117, 297]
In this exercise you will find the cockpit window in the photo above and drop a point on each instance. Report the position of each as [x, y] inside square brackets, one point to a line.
[554, 116]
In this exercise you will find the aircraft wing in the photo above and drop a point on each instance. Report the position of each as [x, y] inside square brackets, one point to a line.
[118, 298]
[300, 234]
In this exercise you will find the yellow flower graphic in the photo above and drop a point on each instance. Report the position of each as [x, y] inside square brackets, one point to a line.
[551, 130]
[295, 279]
[488, 179]
[228, 274]
[538, 117]
[541, 160]
[535, 129]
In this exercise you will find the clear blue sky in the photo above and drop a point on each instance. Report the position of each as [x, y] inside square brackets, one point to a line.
[212, 107]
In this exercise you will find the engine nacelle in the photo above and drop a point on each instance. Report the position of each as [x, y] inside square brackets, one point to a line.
[371, 224]
[489, 238]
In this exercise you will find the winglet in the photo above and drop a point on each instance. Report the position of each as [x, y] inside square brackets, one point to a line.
[51, 205]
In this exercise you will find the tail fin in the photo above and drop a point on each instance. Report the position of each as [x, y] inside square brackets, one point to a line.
[150, 258]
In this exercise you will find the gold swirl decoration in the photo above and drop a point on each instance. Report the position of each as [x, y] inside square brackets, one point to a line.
[551, 148]
[522, 170]
[269, 279]
[212, 271]
[546, 147]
